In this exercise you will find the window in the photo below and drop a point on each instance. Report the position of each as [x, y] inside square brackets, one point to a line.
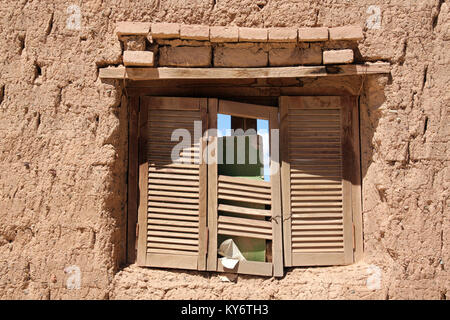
[299, 212]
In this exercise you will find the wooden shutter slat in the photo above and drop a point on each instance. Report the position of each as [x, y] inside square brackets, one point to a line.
[172, 222]
[183, 228]
[173, 216]
[244, 181]
[171, 251]
[174, 199]
[172, 246]
[242, 210]
[264, 191]
[172, 240]
[171, 234]
[244, 234]
[243, 199]
[242, 193]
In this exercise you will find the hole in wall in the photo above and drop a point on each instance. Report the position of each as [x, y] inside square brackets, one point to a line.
[2, 93]
[21, 43]
[50, 25]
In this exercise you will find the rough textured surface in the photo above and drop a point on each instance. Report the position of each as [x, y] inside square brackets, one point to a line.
[138, 58]
[282, 35]
[253, 34]
[312, 34]
[338, 56]
[194, 32]
[240, 57]
[63, 151]
[281, 57]
[185, 56]
[223, 34]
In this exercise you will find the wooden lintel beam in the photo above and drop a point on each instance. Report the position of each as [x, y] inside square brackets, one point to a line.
[242, 73]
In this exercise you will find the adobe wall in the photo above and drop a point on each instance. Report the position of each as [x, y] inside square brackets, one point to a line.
[63, 143]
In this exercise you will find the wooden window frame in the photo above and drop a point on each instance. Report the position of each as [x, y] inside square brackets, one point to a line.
[133, 174]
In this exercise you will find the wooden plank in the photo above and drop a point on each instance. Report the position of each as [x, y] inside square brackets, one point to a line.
[243, 210]
[212, 189]
[172, 240]
[143, 186]
[243, 193]
[173, 103]
[133, 181]
[241, 73]
[203, 190]
[157, 175]
[262, 191]
[172, 216]
[174, 246]
[171, 261]
[348, 168]
[222, 196]
[169, 182]
[182, 229]
[248, 267]
[318, 259]
[170, 234]
[246, 110]
[171, 251]
[162, 221]
[356, 183]
[173, 199]
[285, 180]
[245, 222]
[245, 181]
[275, 181]
[173, 211]
[174, 205]
[160, 187]
[185, 196]
[247, 234]
[248, 230]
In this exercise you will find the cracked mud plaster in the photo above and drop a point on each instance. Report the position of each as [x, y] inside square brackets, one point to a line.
[64, 144]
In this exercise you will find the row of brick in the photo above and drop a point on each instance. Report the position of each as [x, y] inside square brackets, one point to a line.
[205, 56]
[237, 34]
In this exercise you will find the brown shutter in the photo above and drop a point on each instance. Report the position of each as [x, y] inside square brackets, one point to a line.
[172, 212]
[316, 174]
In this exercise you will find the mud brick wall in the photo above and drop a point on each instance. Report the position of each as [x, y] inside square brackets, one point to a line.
[63, 146]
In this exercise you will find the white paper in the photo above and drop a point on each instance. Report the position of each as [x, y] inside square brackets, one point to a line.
[231, 254]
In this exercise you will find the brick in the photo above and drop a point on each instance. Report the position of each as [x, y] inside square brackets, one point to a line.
[312, 34]
[134, 43]
[185, 56]
[223, 34]
[194, 32]
[252, 35]
[132, 28]
[346, 33]
[138, 58]
[165, 30]
[236, 57]
[282, 35]
[338, 56]
[283, 57]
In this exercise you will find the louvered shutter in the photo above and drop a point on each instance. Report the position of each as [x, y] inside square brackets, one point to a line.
[172, 209]
[316, 180]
